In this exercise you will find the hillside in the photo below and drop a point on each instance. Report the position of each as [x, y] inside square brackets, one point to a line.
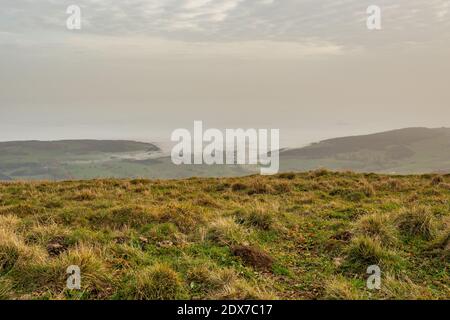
[69, 159]
[91, 159]
[73, 147]
[410, 150]
[405, 151]
[292, 236]
[4, 178]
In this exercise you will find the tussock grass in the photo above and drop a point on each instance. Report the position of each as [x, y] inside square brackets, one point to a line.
[441, 245]
[9, 254]
[341, 288]
[364, 251]
[378, 226]
[259, 186]
[96, 277]
[211, 279]
[14, 252]
[84, 195]
[126, 215]
[395, 288]
[259, 217]
[417, 221]
[367, 188]
[5, 289]
[219, 283]
[186, 217]
[226, 231]
[159, 282]
[242, 290]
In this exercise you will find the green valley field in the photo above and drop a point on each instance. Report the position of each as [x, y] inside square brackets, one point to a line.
[292, 236]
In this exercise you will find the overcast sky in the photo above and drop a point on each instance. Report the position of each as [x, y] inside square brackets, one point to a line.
[139, 69]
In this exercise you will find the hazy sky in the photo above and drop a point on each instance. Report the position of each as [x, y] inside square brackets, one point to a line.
[139, 69]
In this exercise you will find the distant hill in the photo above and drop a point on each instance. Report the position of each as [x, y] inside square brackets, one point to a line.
[410, 150]
[404, 151]
[74, 146]
[4, 178]
[69, 159]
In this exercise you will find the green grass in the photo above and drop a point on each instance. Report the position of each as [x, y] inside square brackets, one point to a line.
[293, 236]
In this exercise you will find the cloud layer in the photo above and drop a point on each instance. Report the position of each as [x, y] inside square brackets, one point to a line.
[342, 21]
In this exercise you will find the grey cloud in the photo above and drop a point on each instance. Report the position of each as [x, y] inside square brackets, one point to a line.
[341, 21]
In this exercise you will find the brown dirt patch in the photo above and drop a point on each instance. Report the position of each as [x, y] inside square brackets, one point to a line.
[56, 246]
[253, 257]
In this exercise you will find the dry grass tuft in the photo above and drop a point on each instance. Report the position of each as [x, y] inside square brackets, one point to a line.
[367, 188]
[394, 288]
[378, 226]
[364, 251]
[340, 288]
[417, 221]
[226, 231]
[159, 282]
[14, 251]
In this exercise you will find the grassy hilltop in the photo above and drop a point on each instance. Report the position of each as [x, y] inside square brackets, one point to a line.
[292, 236]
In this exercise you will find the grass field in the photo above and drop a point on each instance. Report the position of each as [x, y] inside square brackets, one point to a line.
[291, 236]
